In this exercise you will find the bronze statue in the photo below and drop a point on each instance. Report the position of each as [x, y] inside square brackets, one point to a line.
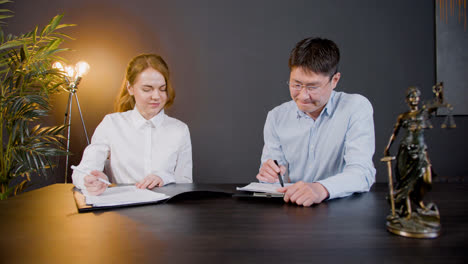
[413, 172]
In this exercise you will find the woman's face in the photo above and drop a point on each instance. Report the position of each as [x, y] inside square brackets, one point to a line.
[150, 92]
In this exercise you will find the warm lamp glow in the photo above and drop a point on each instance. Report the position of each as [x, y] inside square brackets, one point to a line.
[70, 71]
[57, 65]
[81, 68]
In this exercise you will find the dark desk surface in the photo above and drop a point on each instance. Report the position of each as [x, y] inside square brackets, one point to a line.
[43, 226]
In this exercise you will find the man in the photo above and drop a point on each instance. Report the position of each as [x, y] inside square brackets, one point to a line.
[324, 139]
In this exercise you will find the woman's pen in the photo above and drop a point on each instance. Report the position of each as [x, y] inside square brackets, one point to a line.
[89, 173]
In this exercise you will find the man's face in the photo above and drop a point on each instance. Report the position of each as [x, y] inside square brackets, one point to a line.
[315, 90]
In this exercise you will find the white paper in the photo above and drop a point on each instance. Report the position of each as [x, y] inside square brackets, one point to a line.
[262, 187]
[124, 195]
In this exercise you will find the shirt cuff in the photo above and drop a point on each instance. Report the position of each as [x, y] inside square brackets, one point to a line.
[166, 177]
[78, 180]
[330, 189]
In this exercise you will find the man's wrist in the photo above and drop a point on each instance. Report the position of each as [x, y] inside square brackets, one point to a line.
[323, 191]
[327, 194]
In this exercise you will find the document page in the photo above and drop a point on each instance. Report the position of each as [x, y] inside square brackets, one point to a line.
[262, 187]
[124, 195]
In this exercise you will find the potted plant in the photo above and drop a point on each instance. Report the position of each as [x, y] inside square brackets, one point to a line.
[26, 81]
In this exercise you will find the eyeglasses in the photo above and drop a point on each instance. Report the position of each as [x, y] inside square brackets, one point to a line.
[309, 88]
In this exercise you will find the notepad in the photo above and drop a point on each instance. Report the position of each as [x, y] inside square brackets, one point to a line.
[124, 195]
[262, 187]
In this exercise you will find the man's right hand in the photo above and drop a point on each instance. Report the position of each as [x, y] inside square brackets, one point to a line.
[269, 172]
[93, 185]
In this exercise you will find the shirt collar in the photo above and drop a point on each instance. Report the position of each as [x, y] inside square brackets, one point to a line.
[139, 120]
[327, 110]
[330, 104]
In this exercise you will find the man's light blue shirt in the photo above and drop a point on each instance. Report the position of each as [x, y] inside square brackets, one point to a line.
[335, 150]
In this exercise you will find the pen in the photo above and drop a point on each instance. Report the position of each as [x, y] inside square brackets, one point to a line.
[279, 175]
[88, 172]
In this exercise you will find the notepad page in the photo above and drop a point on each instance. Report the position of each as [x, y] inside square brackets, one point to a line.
[261, 187]
[121, 195]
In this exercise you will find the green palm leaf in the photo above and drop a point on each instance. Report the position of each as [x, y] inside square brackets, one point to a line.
[26, 82]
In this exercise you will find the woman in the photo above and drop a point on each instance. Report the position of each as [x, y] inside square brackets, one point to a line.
[145, 147]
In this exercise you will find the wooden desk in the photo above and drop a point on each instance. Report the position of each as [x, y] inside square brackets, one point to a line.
[43, 226]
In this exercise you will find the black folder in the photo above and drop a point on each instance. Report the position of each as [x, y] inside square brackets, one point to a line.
[176, 192]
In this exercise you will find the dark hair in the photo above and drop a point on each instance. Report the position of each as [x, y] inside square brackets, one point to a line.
[317, 55]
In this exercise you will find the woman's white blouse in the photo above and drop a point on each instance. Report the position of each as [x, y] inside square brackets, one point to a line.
[137, 147]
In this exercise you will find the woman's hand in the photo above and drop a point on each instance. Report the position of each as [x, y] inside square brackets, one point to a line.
[93, 185]
[149, 182]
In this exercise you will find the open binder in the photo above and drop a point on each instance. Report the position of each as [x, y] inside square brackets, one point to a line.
[171, 192]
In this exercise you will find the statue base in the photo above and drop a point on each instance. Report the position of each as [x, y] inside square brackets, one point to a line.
[421, 224]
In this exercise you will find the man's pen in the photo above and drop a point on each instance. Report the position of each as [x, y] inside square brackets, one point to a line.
[279, 174]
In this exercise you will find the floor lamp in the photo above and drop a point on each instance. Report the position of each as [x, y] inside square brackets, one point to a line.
[73, 76]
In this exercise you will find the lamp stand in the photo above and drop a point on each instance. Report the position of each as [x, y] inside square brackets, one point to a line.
[67, 121]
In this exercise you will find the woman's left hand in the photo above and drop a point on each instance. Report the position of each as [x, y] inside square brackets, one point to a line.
[149, 182]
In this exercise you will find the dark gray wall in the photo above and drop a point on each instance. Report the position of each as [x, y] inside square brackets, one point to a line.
[229, 65]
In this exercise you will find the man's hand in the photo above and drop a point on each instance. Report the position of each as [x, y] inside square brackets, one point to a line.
[93, 185]
[305, 194]
[269, 171]
[149, 182]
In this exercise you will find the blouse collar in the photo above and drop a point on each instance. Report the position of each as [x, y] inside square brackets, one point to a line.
[139, 120]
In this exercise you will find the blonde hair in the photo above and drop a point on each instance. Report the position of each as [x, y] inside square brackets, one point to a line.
[137, 65]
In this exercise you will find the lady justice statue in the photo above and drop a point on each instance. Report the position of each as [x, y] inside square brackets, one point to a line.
[410, 216]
